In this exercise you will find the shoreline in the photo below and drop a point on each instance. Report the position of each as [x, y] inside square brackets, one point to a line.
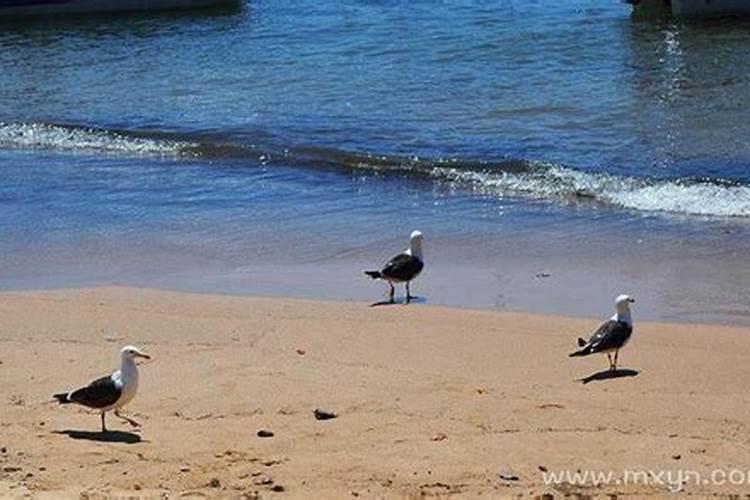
[309, 233]
[707, 290]
[376, 303]
[430, 400]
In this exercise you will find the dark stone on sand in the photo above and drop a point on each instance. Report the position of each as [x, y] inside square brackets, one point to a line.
[542, 468]
[676, 457]
[214, 483]
[278, 488]
[323, 414]
[508, 476]
[3, 450]
[265, 434]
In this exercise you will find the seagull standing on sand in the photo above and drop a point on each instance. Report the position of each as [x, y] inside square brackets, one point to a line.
[612, 335]
[111, 392]
[402, 268]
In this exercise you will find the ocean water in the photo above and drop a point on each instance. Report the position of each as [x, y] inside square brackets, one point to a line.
[554, 154]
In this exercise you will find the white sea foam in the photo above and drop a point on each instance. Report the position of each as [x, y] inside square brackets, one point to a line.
[545, 181]
[538, 180]
[65, 138]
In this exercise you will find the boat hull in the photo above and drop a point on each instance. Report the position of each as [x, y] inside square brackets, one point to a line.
[10, 8]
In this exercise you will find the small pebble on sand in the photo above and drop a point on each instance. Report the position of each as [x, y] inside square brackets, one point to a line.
[324, 414]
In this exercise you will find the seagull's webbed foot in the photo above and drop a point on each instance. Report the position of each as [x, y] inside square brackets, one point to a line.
[126, 419]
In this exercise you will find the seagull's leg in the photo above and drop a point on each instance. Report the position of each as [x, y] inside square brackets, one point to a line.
[408, 293]
[393, 292]
[609, 357]
[104, 426]
[126, 419]
[616, 353]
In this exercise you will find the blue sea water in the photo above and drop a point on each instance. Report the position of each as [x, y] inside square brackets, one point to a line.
[279, 147]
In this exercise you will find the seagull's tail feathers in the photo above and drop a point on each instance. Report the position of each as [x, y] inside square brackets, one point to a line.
[585, 351]
[374, 274]
[581, 342]
[62, 398]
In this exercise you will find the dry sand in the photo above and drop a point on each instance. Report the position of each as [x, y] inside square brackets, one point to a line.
[431, 401]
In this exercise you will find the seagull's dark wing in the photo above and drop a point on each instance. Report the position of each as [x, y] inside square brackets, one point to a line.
[610, 335]
[403, 267]
[100, 393]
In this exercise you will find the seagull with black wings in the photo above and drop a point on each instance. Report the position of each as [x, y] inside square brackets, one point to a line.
[612, 335]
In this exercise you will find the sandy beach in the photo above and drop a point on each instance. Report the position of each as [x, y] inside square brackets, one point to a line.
[213, 186]
[430, 401]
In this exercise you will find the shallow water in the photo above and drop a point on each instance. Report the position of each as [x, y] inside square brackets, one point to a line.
[281, 147]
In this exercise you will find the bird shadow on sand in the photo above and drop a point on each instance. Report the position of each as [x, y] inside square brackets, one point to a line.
[103, 437]
[608, 374]
[400, 302]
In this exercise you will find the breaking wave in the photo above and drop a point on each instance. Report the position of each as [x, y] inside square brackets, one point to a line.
[510, 177]
[689, 196]
[85, 139]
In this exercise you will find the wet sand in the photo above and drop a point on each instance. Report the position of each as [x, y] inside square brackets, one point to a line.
[430, 400]
[543, 273]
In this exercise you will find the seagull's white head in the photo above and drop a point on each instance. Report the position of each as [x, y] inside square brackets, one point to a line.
[622, 303]
[415, 244]
[130, 352]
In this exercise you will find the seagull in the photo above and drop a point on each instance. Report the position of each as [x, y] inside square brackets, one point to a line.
[403, 267]
[612, 335]
[111, 392]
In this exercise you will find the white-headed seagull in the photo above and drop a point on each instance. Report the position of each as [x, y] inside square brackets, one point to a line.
[612, 335]
[111, 392]
[404, 267]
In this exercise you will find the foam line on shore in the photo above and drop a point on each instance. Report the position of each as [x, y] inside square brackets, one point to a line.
[539, 180]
